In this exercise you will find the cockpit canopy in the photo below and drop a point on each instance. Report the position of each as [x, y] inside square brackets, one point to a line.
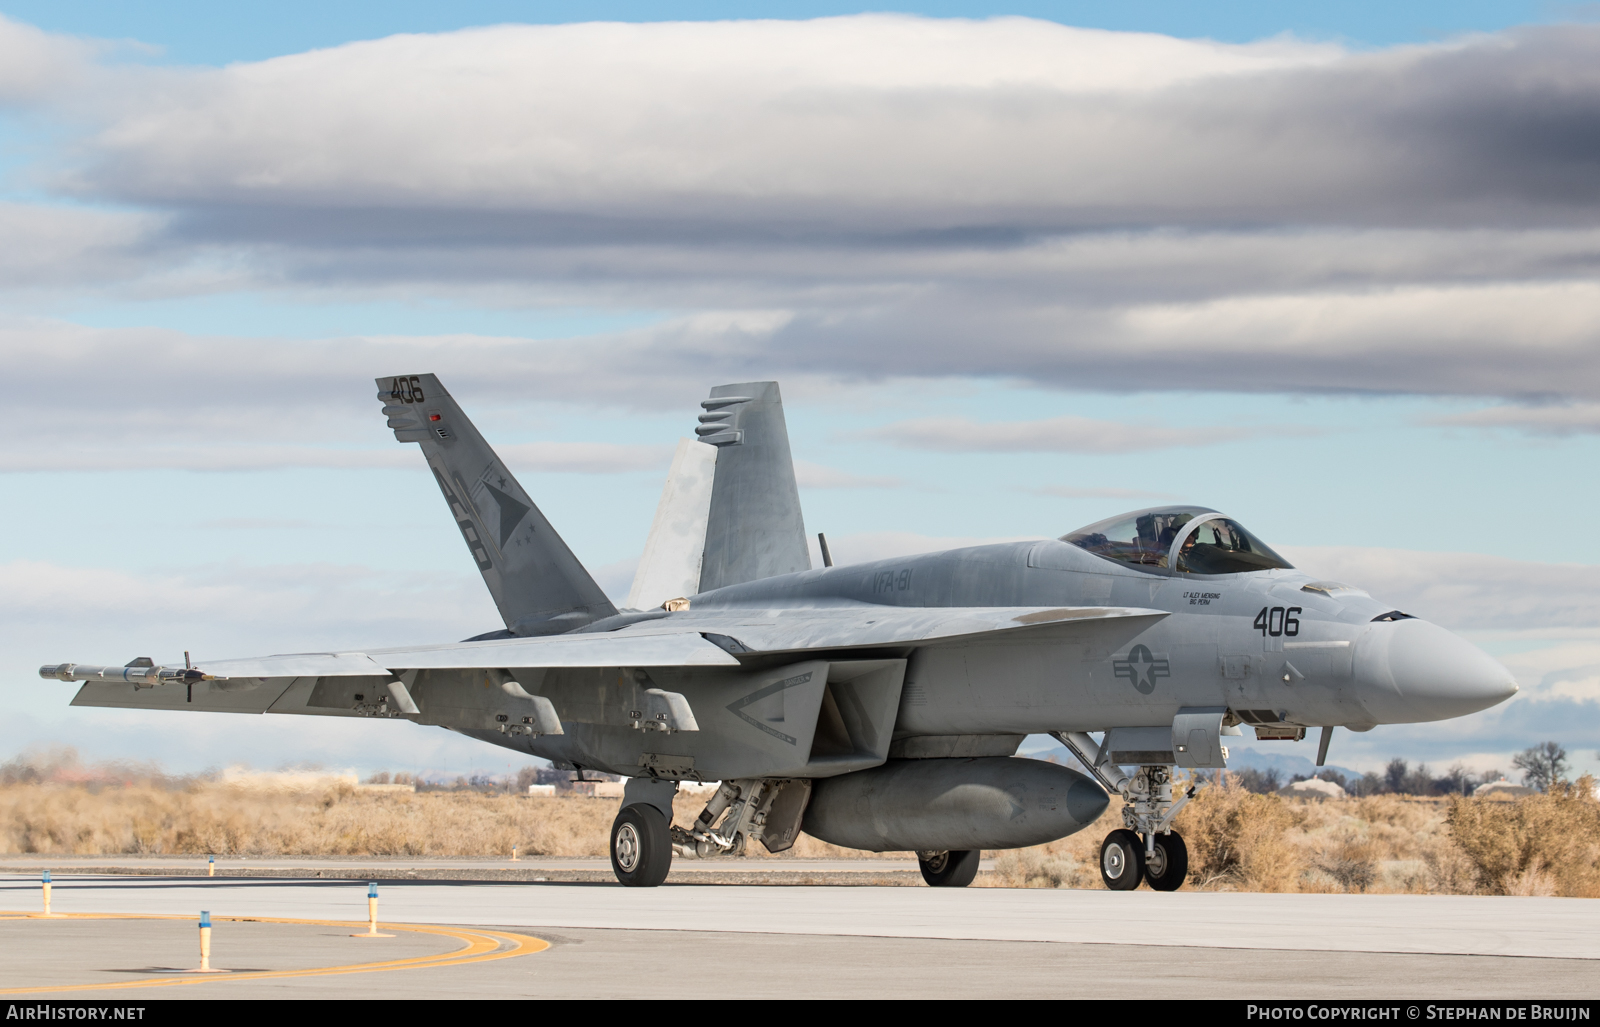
[1188, 539]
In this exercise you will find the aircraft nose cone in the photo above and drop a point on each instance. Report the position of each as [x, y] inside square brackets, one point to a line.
[1413, 670]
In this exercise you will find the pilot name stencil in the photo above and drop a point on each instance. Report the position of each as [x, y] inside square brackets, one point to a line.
[1202, 598]
[1142, 668]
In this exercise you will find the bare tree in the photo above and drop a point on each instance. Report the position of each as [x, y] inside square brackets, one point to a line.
[1394, 775]
[1253, 780]
[1542, 765]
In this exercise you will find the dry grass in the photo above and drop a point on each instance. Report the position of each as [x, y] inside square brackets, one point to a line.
[1238, 841]
[199, 818]
[1540, 845]
[339, 821]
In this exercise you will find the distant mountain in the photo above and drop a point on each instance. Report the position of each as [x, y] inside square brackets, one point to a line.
[1240, 757]
[1287, 764]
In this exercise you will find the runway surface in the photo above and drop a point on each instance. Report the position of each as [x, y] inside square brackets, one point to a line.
[850, 941]
[434, 867]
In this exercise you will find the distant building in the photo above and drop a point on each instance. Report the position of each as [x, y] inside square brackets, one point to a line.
[1314, 788]
[541, 789]
[1502, 789]
[598, 789]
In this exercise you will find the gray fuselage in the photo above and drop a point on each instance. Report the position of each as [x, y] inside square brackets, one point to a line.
[1273, 642]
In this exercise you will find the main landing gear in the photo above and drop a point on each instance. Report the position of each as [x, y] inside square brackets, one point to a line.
[643, 839]
[949, 869]
[641, 846]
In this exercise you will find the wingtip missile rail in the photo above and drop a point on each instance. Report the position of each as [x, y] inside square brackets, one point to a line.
[140, 677]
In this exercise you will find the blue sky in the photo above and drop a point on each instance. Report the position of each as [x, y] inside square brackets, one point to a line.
[198, 33]
[1371, 337]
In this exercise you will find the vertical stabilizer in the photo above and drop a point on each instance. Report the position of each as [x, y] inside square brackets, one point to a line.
[539, 586]
[754, 528]
[670, 567]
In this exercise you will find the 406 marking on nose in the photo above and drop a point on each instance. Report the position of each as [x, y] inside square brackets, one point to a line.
[1277, 621]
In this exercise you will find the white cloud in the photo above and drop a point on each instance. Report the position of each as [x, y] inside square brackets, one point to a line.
[1071, 492]
[1559, 419]
[51, 245]
[816, 476]
[222, 611]
[37, 65]
[1053, 435]
[626, 117]
[1465, 591]
[865, 547]
[863, 198]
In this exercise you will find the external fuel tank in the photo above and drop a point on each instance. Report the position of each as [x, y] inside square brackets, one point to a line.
[996, 802]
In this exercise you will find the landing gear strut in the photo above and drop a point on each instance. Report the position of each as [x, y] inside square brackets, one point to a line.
[735, 814]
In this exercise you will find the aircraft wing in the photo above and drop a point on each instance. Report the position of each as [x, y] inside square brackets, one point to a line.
[288, 683]
[791, 629]
[675, 649]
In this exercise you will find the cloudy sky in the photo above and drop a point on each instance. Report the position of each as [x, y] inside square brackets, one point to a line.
[1330, 268]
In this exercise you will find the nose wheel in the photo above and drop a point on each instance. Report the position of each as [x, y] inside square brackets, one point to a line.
[1121, 860]
[1167, 868]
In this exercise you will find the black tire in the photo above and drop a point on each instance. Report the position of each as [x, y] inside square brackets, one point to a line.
[1122, 860]
[641, 846]
[950, 869]
[1170, 867]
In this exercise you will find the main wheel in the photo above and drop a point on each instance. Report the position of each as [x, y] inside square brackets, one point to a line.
[1121, 860]
[641, 846]
[950, 869]
[1169, 867]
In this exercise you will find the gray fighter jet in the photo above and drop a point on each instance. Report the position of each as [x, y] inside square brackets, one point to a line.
[874, 706]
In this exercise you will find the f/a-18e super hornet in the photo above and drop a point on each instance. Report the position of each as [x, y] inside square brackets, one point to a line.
[875, 706]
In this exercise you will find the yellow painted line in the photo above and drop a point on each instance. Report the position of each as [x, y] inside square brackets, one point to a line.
[478, 946]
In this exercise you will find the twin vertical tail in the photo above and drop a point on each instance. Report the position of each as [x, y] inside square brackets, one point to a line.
[754, 528]
[730, 512]
[539, 587]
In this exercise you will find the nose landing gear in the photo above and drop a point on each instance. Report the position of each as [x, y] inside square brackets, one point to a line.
[1146, 848]
[1125, 859]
